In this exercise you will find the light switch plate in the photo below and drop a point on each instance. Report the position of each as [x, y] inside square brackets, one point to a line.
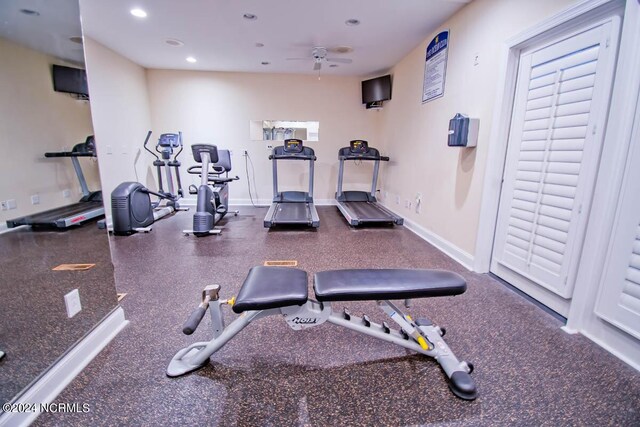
[72, 302]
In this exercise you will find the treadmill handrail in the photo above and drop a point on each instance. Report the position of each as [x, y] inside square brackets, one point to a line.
[69, 154]
[356, 157]
[291, 157]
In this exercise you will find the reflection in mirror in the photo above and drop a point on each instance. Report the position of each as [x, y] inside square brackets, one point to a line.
[267, 130]
[42, 110]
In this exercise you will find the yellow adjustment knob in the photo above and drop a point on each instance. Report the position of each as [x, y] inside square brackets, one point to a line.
[231, 301]
[409, 318]
[423, 343]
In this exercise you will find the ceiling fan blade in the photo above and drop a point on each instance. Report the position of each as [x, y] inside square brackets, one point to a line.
[298, 59]
[341, 60]
[317, 66]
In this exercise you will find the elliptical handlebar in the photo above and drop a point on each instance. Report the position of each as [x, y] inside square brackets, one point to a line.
[160, 195]
[146, 148]
[181, 146]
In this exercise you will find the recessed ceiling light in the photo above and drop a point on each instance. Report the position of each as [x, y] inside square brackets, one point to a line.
[30, 12]
[138, 13]
[259, 44]
[352, 22]
[342, 49]
[174, 42]
[333, 65]
[191, 59]
[76, 39]
[265, 62]
[250, 16]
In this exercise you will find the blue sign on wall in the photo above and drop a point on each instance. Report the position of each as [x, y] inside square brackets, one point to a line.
[435, 68]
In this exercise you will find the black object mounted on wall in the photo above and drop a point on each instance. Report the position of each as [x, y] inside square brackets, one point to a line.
[70, 80]
[375, 91]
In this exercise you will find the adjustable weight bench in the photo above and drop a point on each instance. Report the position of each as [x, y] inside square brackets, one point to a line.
[282, 291]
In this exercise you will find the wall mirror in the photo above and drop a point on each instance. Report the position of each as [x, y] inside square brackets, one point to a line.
[38, 115]
[279, 130]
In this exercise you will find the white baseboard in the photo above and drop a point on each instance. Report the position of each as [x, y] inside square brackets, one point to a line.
[634, 363]
[462, 257]
[5, 229]
[47, 387]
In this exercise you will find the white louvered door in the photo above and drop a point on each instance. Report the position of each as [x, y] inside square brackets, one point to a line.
[557, 127]
[619, 294]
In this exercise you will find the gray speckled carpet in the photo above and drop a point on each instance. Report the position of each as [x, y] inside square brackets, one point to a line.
[528, 371]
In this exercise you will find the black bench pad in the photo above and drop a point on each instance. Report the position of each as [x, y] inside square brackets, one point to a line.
[271, 287]
[388, 284]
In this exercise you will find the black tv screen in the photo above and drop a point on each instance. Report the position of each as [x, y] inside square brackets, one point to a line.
[70, 80]
[378, 89]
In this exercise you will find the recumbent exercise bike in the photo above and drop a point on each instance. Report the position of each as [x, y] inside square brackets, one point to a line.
[213, 192]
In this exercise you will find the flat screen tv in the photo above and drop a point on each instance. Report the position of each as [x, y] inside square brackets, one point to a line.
[70, 80]
[376, 90]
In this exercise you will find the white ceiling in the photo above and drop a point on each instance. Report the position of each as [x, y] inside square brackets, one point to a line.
[215, 32]
[49, 32]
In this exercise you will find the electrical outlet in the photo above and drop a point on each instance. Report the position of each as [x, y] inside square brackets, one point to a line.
[11, 204]
[35, 199]
[397, 200]
[109, 149]
[4, 205]
[66, 193]
[245, 153]
[124, 149]
[269, 147]
[72, 302]
[407, 204]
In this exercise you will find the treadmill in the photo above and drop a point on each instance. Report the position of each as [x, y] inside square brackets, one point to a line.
[89, 207]
[360, 207]
[292, 207]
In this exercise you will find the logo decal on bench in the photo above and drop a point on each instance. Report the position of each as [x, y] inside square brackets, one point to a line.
[305, 320]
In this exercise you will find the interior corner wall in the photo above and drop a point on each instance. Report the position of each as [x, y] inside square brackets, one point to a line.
[121, 115]
[216, 108]
[35, 119]
[414, 135]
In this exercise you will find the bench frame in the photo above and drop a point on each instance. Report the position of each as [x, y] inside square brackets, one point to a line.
[421, 335]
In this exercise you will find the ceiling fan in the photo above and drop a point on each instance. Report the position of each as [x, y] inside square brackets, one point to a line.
[319, 55]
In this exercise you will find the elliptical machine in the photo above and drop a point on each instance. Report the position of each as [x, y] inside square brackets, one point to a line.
[131, 206]
[213, 192]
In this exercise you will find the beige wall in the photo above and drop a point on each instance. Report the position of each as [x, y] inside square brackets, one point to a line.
[121, 116]
[216, 108]
[33, 120]
[415, 135]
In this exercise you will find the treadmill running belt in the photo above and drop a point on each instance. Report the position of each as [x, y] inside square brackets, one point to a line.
[292, 213]
[367, 212]
[50, 217]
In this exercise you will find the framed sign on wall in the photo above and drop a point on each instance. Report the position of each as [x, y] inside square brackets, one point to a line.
[435, 67]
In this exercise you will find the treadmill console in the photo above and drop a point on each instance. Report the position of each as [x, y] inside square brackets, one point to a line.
[293, 146]
[358, 146]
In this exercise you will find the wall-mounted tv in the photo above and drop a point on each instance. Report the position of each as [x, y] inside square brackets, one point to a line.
[70, 80]
[376, 90]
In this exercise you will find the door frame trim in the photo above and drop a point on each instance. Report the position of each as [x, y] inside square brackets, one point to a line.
[576, 15]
